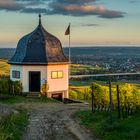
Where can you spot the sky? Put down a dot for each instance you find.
(93, 22)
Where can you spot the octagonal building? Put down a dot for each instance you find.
(39, 59)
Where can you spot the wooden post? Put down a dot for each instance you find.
(118, 99)
(110, 96)
(92, 98)
(9, 86)
(13, 89)
(45, 88)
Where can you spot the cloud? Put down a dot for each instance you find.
(84, 10)
(32, 2)
(89, 25)
(133, 1)
(61, 7)
(76, 2)
(10, 5)
(34, 10)
(112, 14)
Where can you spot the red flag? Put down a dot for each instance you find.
(67, 32)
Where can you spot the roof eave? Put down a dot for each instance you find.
(37, 63)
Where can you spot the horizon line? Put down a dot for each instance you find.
(98, 45)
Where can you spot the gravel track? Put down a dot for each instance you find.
(55, 122)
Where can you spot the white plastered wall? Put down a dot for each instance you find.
(58, 85)
(27, 69)
(55, 85)
(16, 68)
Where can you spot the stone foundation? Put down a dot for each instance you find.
(63, 93)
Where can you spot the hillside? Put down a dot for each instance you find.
(7, 53)
(4, 67)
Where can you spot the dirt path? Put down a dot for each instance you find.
(55, 122)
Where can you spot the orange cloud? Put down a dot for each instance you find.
(87, 8)
(9, 5)
(61, 7)
(93, 10)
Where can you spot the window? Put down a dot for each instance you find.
(54, 75)
(60, 74)
(15, 74)
(57, 74)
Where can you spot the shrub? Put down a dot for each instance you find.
(16, 87)
(4, 86)
(10, 87)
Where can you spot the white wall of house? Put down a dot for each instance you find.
(56, 85)
(16, 68)
(27, 69)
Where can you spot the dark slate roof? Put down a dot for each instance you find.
(39, 47)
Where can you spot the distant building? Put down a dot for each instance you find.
(39, 59)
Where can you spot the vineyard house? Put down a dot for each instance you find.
(39, 63)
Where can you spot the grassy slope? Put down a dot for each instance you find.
(127, 129)
(86, 84)
(12, 126)
(79, 67)
(4, 67)
(20, 99)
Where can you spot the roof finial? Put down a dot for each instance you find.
(39, 19)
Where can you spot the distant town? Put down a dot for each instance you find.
(108, 59)
(103, 59)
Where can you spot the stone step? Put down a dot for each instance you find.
(33, 95)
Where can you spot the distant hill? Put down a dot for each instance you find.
(4, 67)
(104, 51)
(7, 53)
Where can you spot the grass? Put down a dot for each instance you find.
(12, 126)
(80, 83)
(86, 82)
(20, 99)
(125, 129)
(76, 68)
(79, 87)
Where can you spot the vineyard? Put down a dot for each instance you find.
(129, 96)
(112, 118)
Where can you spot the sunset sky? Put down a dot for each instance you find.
(93, 22)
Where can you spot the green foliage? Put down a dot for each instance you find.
(82, 93)
(98, 93)
(10, 87)
(4, 86)
(85, 69)
(73, 94)
(125, 129)
(129, 95)
(20, 99)
(14, 99)
(12, 126)
(16, 87)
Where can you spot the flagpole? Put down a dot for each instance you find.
(67, 32)
(69, 46)
(69, 55)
